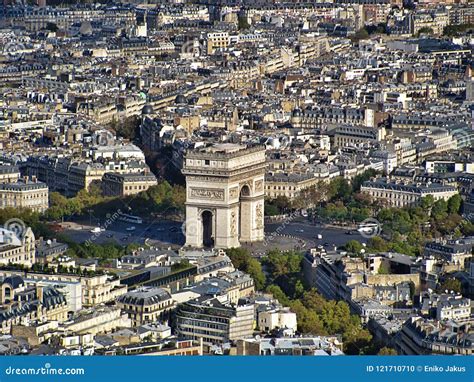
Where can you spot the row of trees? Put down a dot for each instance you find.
(457, 30)
(281, 274)
(105, 252)
(337, 191)
(162, 198)
(29, 218)
(405, 230)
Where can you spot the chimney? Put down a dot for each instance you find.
(34, 179)
(39, 292)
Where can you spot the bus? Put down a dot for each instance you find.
(368, 228)
(130, 219)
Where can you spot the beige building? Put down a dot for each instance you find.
(217, 41)
(225, 186)
(280, 318)
(399, 194)
(99, 320)
(288, 185)
(20, 304)
(24, 193)
(213, 321)
(114, 184)
(100, 289)
(351, 135)
(146, 305)
(96, 289)
(17, 247)
(9, 174)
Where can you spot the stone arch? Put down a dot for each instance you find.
(245, 213)
(245, 190)
(207, 224)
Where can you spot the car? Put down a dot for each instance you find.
(348, 232)
(160, 229)
(300, 230)
(174, 229)
(95, 230)
(125, 238)
(132, 228)
(319, 236)
(110, 235)
(326, 244)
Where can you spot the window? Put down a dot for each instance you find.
(207, 162)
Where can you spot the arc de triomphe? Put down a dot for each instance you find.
(225, 186)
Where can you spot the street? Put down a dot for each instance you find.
(298, 235)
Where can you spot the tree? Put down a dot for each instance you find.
(339, 188)
(361, 178)
(425, 30)
(387, 351)
(283, 263)
(277, 293)
(440, 209)
(353, 246)
(450, 284)
(361, 34)
(52, 27)
(242, 260)
(454, 204)
(128, 128)
(378, 244)
(383, 270)
(271, 210)
(282, 203)
(427, 202)
(243, 23)
(254, 269)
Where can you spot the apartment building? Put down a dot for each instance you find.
(213, 321)
(96, 289)
(21, 303)
(420, 336)
(18, 248)
(114, 184)
(9, 174)
(146, 305)
(25, 193)
(453, 308)
(217, 41)
(398, 194)
(350, 135)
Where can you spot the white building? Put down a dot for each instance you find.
(280, 318)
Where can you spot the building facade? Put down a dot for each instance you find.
(225, 186)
